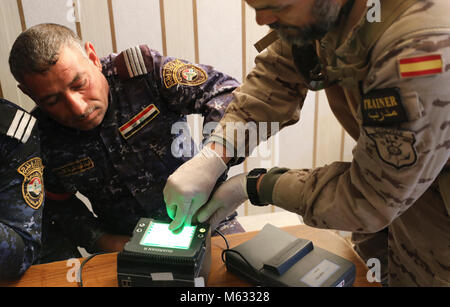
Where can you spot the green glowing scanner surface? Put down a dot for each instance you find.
(159, 235)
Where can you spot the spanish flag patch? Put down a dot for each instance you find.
(421, 66)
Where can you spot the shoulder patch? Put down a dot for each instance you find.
(177, 72)
(394, 147)
(383, 107)
(420, 66)
(32, 186)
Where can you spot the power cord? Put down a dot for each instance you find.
(228, 250)
(80, 271)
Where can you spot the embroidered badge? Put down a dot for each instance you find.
(395, 147)
(74, 168)
(421, 66)
(177, 72)
(383, 107)
(139, 121)
(32, 187)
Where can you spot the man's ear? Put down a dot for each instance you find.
(27, 92)
(92, 55)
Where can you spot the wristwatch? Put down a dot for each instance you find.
(252, 180)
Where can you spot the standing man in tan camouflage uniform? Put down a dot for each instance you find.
(388, 84)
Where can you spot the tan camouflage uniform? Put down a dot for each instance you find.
(393, 178)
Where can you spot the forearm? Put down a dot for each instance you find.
(75, 220)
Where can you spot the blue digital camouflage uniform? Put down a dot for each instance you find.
(21, 191)
(122, 165)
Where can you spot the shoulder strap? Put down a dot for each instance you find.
(16, 123)
(133, 62)
(370, 33)
(354, 65)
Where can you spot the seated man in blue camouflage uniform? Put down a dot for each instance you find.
(21, 191)
(107, 130)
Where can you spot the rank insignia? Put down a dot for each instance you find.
(74, 168)
(32, 186)
(383, 107)
(421, 66)
(139, 121)
(395, 147)
(177, 72)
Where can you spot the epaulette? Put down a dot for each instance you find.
(133, 62)
(16, 123)
(266, 41)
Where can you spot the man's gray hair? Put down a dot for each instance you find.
(37, 49)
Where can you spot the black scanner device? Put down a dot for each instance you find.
(276, 258)
(157, 257)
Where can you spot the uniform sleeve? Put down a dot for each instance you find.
(392, 165)
(21, 199)
(272, 92)
(193, 88)
(75, 220)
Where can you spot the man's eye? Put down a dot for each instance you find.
(51, 103)
(79, 86)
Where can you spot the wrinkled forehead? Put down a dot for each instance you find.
(70, 66)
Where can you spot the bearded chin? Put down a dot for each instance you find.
(326, 15)
(302, 36)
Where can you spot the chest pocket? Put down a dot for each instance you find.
(146, 122)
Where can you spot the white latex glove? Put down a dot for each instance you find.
(228, 196)
(189, 187)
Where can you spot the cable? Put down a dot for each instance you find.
(228, 250)
(80, 283)
(225, 239)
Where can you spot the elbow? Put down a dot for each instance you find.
(16, 256)
(13, 266)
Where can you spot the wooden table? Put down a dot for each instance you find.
(101, 271)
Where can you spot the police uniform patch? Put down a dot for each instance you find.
(383, 107)
(177, 72)
(32, 186)
(74, 168)
(395, 147)
(139, 121)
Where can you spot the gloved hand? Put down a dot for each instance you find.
(189, 187)
(228, 196)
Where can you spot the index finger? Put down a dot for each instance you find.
(180, 216)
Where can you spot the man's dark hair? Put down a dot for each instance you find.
(37, 49)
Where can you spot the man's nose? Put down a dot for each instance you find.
(265, 17)
(76, 103)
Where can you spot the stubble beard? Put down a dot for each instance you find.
(325, 14)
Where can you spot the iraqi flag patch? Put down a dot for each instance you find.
(139, 121)
(421, 66)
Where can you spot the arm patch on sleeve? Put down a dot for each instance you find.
(177, 72)
(394, 147)
(383, 107)
(32, 186)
